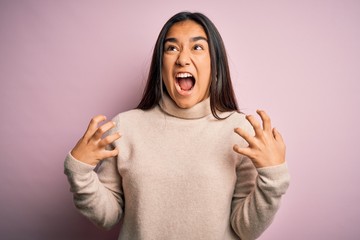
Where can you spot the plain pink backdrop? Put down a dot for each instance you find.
(61, 62)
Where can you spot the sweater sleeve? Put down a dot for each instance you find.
(257, 197)
(97, 194)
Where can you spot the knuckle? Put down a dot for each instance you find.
(93, 122)
(97, 156)
(116, 137)
(256, 124)
(106, 141)
(255, 155)
(101, 130)
(266, 117)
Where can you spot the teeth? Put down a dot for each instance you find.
(183, 75)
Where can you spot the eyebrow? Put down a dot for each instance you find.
(193, 39)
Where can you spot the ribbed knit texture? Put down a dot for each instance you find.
(177, 177)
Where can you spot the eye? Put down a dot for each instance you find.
(171, 48)
(198, 47)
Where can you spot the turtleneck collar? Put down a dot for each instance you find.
(199, 110)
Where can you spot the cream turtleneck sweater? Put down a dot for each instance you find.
(177, 177)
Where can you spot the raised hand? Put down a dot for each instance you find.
(267, 147)
(91, 148)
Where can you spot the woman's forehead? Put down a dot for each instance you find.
(186, 28)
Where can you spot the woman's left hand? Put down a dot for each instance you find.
(267, 147)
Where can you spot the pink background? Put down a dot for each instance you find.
(61, 62)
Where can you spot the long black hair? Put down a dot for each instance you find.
(222, 96)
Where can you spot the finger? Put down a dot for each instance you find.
(103, 129)
(109, 139)
(110, 153)
(277, 135)
(245, 135)
(243, 151)
(93, 125)
(265, 119)
(255, 124)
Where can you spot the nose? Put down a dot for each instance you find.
(183, 59)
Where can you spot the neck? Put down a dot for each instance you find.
(199, 110)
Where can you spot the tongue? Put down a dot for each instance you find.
(186, 83)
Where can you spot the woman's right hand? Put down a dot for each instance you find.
(91, 148)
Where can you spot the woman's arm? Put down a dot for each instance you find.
(262, 178)
(257, 197)
(97, 195)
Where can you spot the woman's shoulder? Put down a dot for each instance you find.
(234, 117)
(134, 115)
(238, 119)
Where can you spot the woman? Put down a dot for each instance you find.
(188, 165)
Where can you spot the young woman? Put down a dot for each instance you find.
(188, 165)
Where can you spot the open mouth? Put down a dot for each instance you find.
(185, 81)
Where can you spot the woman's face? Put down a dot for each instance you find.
(186, 64)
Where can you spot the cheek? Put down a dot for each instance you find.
(166, 76)
(204, 62)
(205, 72)
(166, 67)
